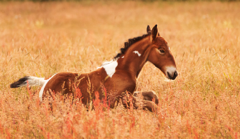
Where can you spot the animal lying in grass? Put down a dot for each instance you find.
(113, 78)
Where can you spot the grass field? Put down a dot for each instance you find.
(41, 39)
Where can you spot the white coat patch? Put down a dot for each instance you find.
(42, 89)
(110, 67)
(136, 52)
(122, 56)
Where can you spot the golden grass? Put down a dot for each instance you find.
(41, 39)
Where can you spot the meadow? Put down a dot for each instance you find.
(41, 39)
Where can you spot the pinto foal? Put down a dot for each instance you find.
(117, 76)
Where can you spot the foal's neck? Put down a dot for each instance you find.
(135, 57)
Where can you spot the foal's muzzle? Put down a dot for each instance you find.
(171, 73)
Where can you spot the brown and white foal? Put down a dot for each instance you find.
(117, 76)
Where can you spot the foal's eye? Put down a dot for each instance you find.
(162, 51)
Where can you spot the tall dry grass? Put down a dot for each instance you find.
(41, 39)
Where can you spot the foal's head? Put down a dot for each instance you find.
(160, 54)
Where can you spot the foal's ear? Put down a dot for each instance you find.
(148, 29)
(155, 32)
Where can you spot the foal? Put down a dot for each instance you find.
(117, 76)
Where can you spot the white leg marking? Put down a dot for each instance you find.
(154, 92)
(136, 52)
(170, 70)
(42, 89)
(110, 67)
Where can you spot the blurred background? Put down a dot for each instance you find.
(44, 37)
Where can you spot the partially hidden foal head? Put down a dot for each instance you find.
(160, 54)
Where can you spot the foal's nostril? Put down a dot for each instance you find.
(169, 75)
(172, 76)
(175, 74)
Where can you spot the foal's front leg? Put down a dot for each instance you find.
(147, 95)
(138, 103)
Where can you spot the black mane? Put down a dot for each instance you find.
(129, 43)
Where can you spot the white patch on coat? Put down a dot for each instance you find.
(136, 52)
(110, 67)
(122, 56)
(42, 89)
(170, 70)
